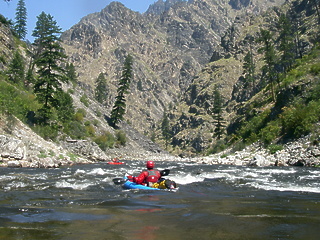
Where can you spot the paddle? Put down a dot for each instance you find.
(165, 172)
(119, 181)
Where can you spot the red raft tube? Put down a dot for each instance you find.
(115, 161)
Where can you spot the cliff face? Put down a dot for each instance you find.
(6, 45)
(170, 44)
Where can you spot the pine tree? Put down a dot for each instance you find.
(40, 33)
(16, 69)
(217, 111)
(249, 69)
(65, 109)
(71, 73)
(297, 28)
(100, 92)
(286, 46)
(119, 106)
(269, 57)
(21, 20)
(50, 72)
(316, 4)
(165, 129)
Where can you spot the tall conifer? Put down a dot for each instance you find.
(100, 92)
(249, 69)
(21, 20)
(270, 58)
(286, 46)
(48, 62)
(165, 128)
(119, 106)
(217, 111)
(16, 69)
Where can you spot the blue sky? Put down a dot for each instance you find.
(66, 12)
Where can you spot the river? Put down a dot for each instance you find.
(213, 202)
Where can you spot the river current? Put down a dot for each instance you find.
(213, 202)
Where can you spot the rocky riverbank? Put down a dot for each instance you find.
(23, 148)
(302, 152)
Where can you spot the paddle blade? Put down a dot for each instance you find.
(118, 181)
(165, 172)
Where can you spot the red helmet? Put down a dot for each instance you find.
(150, 164)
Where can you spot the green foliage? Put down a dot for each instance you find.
(100, 93)
(3, 20)
(90, 130)
(217, 147)
(15, 101)
(80, 114)
(269, 133)
(250, 129)
(84, 99)
(273, 148)
(2, 59)
(47, 131)
(71, 73)
(293, 75)
(73, 157)
(76, 130)
(315, 69)
(299, 119)
(42, 154)
(95, 122)
(217, 111)
(270, 58)
(165, 129)
(65, 110)
(121, 138)
(286, 43)
(98, 114)
(21, 19)
(48, 61)
(104, 141)
(119, 106)
(249, 69)
(16, 69)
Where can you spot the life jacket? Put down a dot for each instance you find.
(165, 184)
(152, 176)
(160, 185)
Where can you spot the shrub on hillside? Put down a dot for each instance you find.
(104, 141)
(121, 138)
(269, 133)
(75, 130)
(299, 119)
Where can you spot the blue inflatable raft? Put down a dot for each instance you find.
(133, 185)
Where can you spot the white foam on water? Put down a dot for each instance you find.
(42, 176)
(97, 171)
(75, 186)
(273, 171)
(309, 177)
(16, 185)
(187, 179)
(287, 188)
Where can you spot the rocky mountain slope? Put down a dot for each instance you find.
(192, 125)
(170, 44)
(181, 51)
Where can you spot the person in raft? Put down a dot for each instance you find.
(115, 160)
(148, 177)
